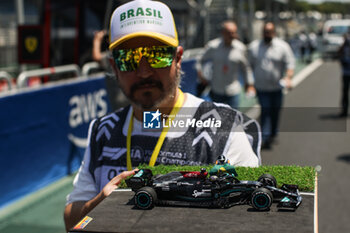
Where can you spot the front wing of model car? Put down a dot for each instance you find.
(288, 196)
(289, 202)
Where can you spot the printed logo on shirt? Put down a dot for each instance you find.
(151, 120)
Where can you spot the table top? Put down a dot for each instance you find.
(118, 214)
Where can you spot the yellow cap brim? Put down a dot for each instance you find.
(162, 38)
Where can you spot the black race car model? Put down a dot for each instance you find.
(219, 190)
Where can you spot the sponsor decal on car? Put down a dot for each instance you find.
(83, 223)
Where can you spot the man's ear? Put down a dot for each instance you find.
(179, 53)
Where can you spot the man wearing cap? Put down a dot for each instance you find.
(147, 63)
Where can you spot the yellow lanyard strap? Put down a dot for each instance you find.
(161, 138)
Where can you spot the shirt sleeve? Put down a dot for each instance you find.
(251, 56)
(289, 58)
(84, 188)
(204, 58)
(246, 69)
(238, 149)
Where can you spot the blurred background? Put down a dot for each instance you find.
(51, 86)
(68, 26)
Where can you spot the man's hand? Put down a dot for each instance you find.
(201, 78)
(250, 90)
(75, 211)
(288, 83)
(113, 184)
(288, 79)
(98, 36)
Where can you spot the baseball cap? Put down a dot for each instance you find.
(142, 18)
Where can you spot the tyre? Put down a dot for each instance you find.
(268, 179)
(261, 199)
(145, 198)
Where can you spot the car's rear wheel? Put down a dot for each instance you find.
(267, 179)
(262, 199)
(145, 198)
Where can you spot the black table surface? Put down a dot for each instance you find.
(117, 214)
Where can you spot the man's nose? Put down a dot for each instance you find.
(144, 70)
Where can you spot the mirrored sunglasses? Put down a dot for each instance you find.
(157, 57)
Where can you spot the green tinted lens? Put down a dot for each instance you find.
(157, 57)
(161, 57)
(125, 59)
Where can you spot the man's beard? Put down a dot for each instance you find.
(165, 94)
(268, 40)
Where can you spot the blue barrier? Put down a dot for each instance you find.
(189, 80)
(34, 130)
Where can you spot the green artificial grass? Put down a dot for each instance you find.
(304, 177)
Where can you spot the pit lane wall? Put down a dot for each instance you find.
(43, 131)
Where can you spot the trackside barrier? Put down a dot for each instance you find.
(189, 79)
(25, 75)
(7, 77)
(43, 133)
(88, 67)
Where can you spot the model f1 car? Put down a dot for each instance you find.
(220, 190)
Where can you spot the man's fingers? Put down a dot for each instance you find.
(122, 176)
(125, 174)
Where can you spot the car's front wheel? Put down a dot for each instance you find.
(262, 199)
(145, 198)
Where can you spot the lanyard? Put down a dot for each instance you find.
(161, 138)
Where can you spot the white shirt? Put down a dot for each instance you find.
(227, 64)
(269, 63)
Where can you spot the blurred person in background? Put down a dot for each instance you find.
(304, 45)
(344, 55)
(312, 44)
(99, 50)
(273, 62)
(229, 60)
